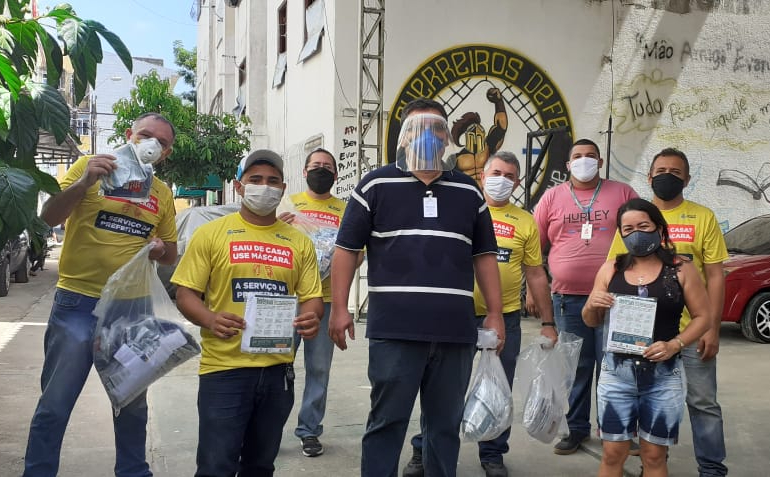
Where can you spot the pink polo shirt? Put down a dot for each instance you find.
(572, 260)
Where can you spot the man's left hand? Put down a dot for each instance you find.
(494, 321)
(708, 345)
(307, 324)
(550, 333)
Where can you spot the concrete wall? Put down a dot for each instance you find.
(689, 74)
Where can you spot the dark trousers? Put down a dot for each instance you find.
(241, 415)
(492, 451)
(567, 312)
(397, 371)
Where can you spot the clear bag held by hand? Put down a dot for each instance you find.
(545, 374)
(488, 407)
(140, 335)
(322, 234)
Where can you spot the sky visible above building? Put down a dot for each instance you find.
(147, 27)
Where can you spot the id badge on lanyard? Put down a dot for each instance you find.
(429, 205)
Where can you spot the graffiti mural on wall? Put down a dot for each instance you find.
(757, 187)
(740, 7)
(494, 96)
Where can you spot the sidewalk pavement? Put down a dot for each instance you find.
(172, 430)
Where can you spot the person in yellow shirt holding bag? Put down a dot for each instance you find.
(104, 232)
(317, 203)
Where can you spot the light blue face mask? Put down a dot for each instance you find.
(426, 148)
(641, 244)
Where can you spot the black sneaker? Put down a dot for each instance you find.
(570, 444)
(311, 446)
(414, 467)
(494, 469)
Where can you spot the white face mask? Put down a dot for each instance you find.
(584, 168)
(148, 150)
(261, 199)
(498, 188)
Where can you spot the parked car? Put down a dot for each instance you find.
(14, 261)
(747, 278)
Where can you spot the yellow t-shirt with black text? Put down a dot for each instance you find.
(103, 233)
(328, 212)
(518, 243)
(229, 257)
(695, 232)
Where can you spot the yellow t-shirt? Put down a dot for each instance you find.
(695, 232)
(228, 257)
(328, 212)
(103, 233)
(518, 243)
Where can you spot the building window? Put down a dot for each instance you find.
(314, 28)
(240, 101)
(280, 65)
(282, 27)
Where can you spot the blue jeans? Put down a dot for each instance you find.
(397, 371)
(68, 348)
(492, 451)
(241, 414)
(318, 363)
(567, 311)
(635, 395)
(705, 413)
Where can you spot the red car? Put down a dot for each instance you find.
(747, 278)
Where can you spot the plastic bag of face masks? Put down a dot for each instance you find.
(322, 233)
(488, 407)
(544, 376)
(140, 336)
(132, 179)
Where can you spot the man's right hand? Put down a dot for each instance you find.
(98, 166)
(287, 217)
(341, 321)
(225, 325)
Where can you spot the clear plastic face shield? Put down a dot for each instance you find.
(475, 138)
(423, 143)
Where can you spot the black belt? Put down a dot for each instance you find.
(639, 359)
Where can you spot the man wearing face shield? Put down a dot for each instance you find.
(106, 232)
(244, 399)
(317, 203)
(695, 232)
(478, 145)
(426, 229)
(518, 249)
(576, 221)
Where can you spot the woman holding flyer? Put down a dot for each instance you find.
(641, 389)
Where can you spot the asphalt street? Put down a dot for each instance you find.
(744, 368)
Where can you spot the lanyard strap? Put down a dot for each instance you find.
(586, 209)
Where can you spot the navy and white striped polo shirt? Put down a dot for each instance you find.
(420, 269)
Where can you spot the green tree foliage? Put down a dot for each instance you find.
(205, 144)
(187, 61)
(27, 106)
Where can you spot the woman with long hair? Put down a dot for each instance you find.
(643, 394)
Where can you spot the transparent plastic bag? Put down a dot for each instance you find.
(132, 179)
(545, 375)
(489, 405)
(140, 335)
(322, 235)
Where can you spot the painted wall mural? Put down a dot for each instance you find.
(494, 96)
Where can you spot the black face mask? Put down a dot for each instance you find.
(320, 180)
(667, 186)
